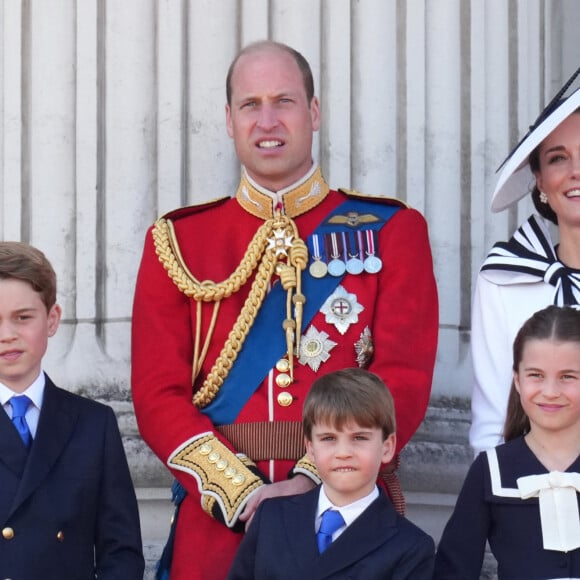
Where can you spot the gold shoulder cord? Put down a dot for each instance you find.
(275, 246)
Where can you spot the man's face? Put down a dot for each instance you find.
(270, 118)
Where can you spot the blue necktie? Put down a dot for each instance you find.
(331, 521)
(19, 406)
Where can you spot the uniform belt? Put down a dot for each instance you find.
(266, 440)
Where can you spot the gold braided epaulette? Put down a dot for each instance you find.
(378, 198)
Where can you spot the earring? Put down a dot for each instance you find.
(543, 197)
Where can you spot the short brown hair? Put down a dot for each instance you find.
(349, 395)
(20, 261)
(557, 323)
(264, 45)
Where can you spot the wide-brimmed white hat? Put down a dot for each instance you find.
(516, 178)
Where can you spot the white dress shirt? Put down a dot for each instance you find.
(35, 392)
(348, 512)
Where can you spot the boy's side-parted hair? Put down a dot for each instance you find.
(349, 395)
(558, 323)
(20, 261)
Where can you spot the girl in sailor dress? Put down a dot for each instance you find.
(523, 496)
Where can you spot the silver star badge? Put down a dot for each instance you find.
(341, 309)
(315, 348)
(280, 242)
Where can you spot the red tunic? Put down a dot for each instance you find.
(400, 308)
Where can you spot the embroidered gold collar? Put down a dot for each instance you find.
(297, 200)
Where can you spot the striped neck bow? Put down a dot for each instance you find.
(528, 257)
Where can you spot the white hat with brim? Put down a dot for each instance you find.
(516, 179)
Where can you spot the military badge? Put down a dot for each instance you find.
(364, 348)
(355, 244)
(315, 348)
(280, 242)
(318, 267)
(372, 264)
(341, 309)
(354, 266)
(354, 219)
(336, 266)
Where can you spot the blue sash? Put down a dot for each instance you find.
(265, 344)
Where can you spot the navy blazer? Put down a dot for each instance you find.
(67, 507)
(379, 544)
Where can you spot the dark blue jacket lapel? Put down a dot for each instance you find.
(56, 423)
(12, 451)
(373, 528)
(298, 521)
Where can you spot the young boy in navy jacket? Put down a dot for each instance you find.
(346, 527)
(67, 503)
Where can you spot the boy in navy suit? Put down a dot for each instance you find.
(346, 527)
(67, 503)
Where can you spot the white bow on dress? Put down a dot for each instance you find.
(558, 507)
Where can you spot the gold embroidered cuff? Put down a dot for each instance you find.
(225, 480)
(305, 467)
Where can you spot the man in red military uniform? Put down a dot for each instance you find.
(241, 303)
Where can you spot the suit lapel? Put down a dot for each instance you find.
(55, 425)
(298, 521)
(13, 453)
(373, 528)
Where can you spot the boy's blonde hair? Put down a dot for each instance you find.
(349, 395)
(20, 261)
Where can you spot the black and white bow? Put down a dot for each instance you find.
(531, 256)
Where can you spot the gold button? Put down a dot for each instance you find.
(213, 457)
(285, 399)
(7, 533)
(283, 365)
(238, 479)
(205, 449)
(221, 464)
(60, 536)
(283, 380)
(230, 472)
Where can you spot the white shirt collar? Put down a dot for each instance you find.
(349, 512)
(35, 392)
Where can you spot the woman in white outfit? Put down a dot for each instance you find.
(530, 271)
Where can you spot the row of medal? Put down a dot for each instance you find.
(337, 253)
